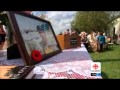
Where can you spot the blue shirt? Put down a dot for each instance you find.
(101, 39)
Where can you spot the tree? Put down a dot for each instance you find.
(3, 17)
(93, 21)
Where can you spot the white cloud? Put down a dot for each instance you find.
(60, 20)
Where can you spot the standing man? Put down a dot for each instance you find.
(101, 40)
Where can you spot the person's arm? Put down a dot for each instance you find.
(104, 40)
(86, 40)
(98, 38)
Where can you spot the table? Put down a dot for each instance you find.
(110, 44)
(70, 64)
(13, 62)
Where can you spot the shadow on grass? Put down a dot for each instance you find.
(104, 76)
(109, 49)
(107, 60)
(106, 50)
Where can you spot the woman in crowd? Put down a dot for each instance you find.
(93, 41)
(84, 39)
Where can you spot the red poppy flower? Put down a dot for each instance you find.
(36, 55)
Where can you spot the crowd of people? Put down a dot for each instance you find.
(68, 32)
(95, 41)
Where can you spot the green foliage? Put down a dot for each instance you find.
(92, 21)
(3, 18)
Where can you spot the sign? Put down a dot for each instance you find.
(14, 72)
(22, 72)
(33, 34)
(73, 41)
(68, 41)
(96, 69)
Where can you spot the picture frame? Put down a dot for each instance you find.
(35, 37)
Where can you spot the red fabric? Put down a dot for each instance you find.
(36, 55)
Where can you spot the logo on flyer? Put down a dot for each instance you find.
(96, 69)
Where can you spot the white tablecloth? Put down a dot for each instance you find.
(12, 62)
(71, 63)
(80, 54)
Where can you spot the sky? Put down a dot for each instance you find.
(60, 20)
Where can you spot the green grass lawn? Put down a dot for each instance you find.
(110, 62)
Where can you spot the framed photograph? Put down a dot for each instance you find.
(35, 37)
